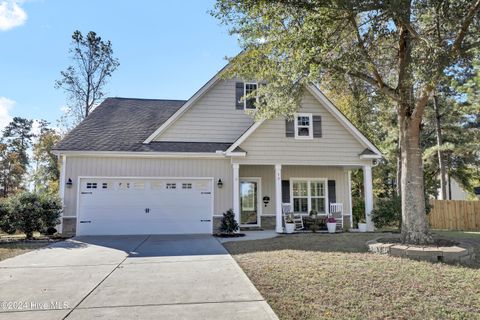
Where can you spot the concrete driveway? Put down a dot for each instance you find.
(129, 277)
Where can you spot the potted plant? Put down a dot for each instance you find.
(362, 225)
(313, 215)
(289, 224)
(331, 224)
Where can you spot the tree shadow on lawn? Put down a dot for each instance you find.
(329, 243)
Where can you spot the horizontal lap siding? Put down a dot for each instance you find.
(212, 119)
(268, 143)
(149, 167)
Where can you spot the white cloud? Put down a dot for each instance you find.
(11, 15)
(5, 106)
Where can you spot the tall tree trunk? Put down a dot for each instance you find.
(414, 218)
(441, 161)
(398, 188)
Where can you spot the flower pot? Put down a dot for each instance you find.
(331, 226)
(362, 227)
(289, 227)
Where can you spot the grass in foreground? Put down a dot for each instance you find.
(8, 250)
(321, 276)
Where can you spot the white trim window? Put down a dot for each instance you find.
(304, 126)
(309, 194)
(248, 88)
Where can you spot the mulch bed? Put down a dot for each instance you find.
(229, 235)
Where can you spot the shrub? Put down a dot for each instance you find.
(388, 213)
(6, 220)
(229, 225)
(29, 212)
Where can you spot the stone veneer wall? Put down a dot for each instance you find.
(69, 226)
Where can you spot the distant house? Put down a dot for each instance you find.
(455, 191)
(148, 166)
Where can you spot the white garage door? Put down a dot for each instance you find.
(144, 206)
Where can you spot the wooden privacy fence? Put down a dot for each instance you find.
(455, 215)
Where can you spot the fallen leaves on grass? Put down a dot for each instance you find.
(316, 276)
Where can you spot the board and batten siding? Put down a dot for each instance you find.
(267, 174)
(337, 146)
(149, 167)
(213, 118)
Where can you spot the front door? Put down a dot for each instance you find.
(249, 206)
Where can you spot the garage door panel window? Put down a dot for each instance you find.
(139, 185)
(156, 185)
(201, 186)
(91, 185)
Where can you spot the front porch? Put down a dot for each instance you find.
(261, 193)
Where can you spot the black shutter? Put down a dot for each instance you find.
(238, 95)
(285, 191)
(289, 128)
(332, 194)
(317, 127)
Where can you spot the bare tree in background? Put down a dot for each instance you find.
(84, 81)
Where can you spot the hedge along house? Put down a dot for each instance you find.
(141, 166)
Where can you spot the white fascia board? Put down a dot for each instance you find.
(236, 154)
(209, 155)
(244, 136)
(370, 156)
(313, 89)
(204, 89)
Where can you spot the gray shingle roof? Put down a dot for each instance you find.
(122, 124)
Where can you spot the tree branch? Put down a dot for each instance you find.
(363, 49)
(464, 27)
(387, 90)
(422, 103)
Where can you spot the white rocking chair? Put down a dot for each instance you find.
(336, 210)
(297, 218)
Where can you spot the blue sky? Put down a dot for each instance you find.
(167, 49)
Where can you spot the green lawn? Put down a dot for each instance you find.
(321, 276)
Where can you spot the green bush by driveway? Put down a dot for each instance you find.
(28, 212)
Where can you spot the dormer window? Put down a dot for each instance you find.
(249, 103)
(303, 126)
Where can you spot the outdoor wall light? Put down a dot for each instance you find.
(69, 183)
(266, 200)
(220, 183)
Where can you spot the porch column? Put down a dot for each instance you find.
(350, 209)
(236, 191)
(368, 190)
(278, 198)
(61, 188)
